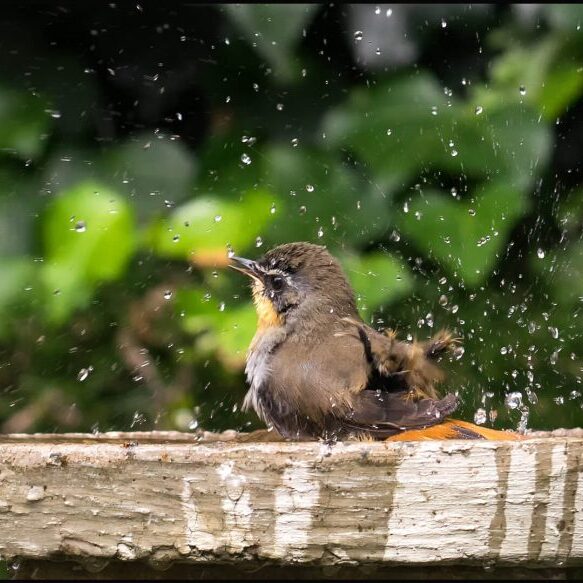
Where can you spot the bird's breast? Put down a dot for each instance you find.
(258, 367)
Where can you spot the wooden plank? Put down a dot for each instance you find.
(169, 498)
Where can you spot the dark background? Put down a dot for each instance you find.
(436, 150)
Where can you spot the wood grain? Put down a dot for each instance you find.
(165, 498)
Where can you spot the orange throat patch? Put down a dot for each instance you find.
(266, 313)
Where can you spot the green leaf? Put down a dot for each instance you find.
(548, 71)
(409, 125)
(321, 199)
(24, 122)
(225, 330)
(19, 207)
(154, 173)
(404, 108)
(17, 279)
(565, 17)
(274, 30)
(207, 225)
(88, 237)
(465, 238)
(377, 278)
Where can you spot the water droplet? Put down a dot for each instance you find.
(480, 416)
(176, 238)
(193, 425)
(358, 35)
(258, 242)
(168, 294)
(273, 208)
(169, 204)
(310, 187)
(522, 90)
(84, 373)
(303, 210)
(513, 400)
(246, 159)
(389, 12)
(389, 132)
(406, 207)
(222, 307)
(443, 23)
(295, 142)
(479, 109)
(80, 227)
(554, 332)
(472, 212)
(395, 236)
(279, 107)
(377, 10)
(559, 400)
(443, 300)
(458, 351)
(320, 233)
(540, 253)
(504, 350)
(434, 110)
(454, 153)
(218, 218)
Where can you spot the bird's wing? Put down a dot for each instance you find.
(406, 366)
(382, 414)
(333, 380)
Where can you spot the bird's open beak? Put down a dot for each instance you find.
(247, 266)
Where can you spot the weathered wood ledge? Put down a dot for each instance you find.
(162, 504)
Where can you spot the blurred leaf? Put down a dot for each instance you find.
(391, 127)
(274, 30)
(562, 271)
(409, 125)
(550, 77)
(24, 122)
(225, 330)
(377, 278)
(208, 224)
(464, 237)
(566, 17)
(19, 205)
(88, 238)
(16, 276)
(155, 173)
(321, 199)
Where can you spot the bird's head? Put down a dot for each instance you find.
(295, 279)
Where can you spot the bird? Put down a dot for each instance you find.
(316, 370)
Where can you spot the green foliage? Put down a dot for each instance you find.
(274, 31)
(207, 225)
(24, 123)
(447, 186)
(377, 279)
(465, 237)
(88, 238)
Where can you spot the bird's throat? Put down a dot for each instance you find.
(267, 316)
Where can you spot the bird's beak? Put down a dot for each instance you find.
(247, 266)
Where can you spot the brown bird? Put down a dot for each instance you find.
(316, 370)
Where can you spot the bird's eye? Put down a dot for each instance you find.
(277, 283)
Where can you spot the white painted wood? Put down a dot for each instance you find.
(436, 503)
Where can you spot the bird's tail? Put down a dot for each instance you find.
(454, 429)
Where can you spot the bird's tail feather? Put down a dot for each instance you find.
(454, 429)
